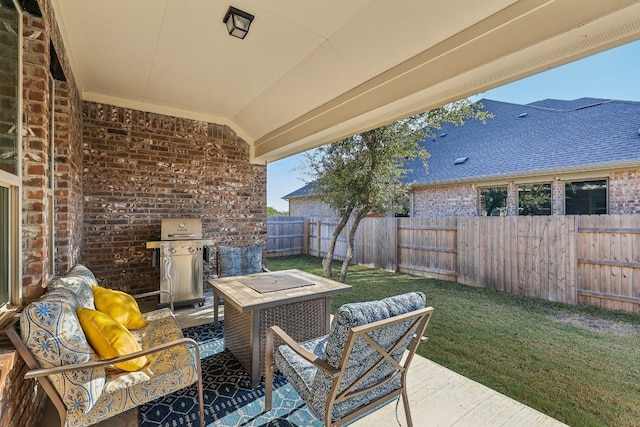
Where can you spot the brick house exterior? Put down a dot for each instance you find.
(116, 173)
(310, 207)
(549, 142)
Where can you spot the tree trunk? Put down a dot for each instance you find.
(328, 259)
(350, 239)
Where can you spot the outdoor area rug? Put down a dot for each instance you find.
(228, 400)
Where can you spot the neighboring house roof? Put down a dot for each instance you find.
(300, 192)
(544, 137)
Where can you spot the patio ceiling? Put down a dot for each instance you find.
(312, 72)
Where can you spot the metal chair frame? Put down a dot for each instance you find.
(419, 318)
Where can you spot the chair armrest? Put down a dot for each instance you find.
(309, 357)
(152, 293)
(35, 373)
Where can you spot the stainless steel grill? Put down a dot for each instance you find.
(181, 259)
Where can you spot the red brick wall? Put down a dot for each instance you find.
(140, 167)
(462, 200)
(455, 200)
(67, 150)
(151, 166)
(35, 146)
(21, 402)
(624, 192)
(68, 177)
(310, 207)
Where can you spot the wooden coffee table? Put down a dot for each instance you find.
(296, 301)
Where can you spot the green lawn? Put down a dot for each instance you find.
(582, 377)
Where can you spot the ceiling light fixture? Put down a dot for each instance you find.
(238, 22)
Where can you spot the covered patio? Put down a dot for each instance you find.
(123, 113)
(436, 394)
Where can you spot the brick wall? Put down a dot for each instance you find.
(140, 167)
(67, 152)
(68, 177)
(35, 149)
(455, 200)
(21, 402)
(557, 197)
(310, 207)
(512, 199)
(135, 168)
(462, 200)
(624, 192)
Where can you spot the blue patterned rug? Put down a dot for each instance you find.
(228, 400)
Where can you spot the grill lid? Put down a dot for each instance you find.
(181, 229)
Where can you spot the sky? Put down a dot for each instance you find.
(612, 74)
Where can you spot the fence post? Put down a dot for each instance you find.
(305, 239)
(396, 261)
(319, 236)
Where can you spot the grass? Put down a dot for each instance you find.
(512, 345)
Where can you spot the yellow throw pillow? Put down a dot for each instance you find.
(119, 305)
(109, 338)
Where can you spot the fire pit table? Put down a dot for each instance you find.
(296, 301)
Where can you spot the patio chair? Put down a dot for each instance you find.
(236, 261)
(359, 366)
(239, 260)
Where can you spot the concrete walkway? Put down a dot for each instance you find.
(440, 397)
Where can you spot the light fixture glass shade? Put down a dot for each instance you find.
(238, 22)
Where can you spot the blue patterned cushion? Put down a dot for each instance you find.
(251, 259)
(314, 386)
(82, 271)
(297, 370)
(80, 287)
(62, 293)
(235, 261)
(50, 329)
(80, 280)
(229, 261)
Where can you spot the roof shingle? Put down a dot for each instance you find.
(546, 136)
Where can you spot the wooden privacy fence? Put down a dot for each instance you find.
(572, 259)
(286, 236)
(528, 255)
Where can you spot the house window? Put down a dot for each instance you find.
(9, 244)
(10, 71)
(534, 199)
(585, 197)
(493, 201)
(10, 141)
(4, 243)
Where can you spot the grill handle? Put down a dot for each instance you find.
(154, 257)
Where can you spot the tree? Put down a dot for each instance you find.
(274, 212)
(364, 173)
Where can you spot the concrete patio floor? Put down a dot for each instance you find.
(438, 396)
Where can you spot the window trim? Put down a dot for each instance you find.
(564, 191)
(487, 187)
(15, 243)
(550, 184)
(50, 191)
(14, 183)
